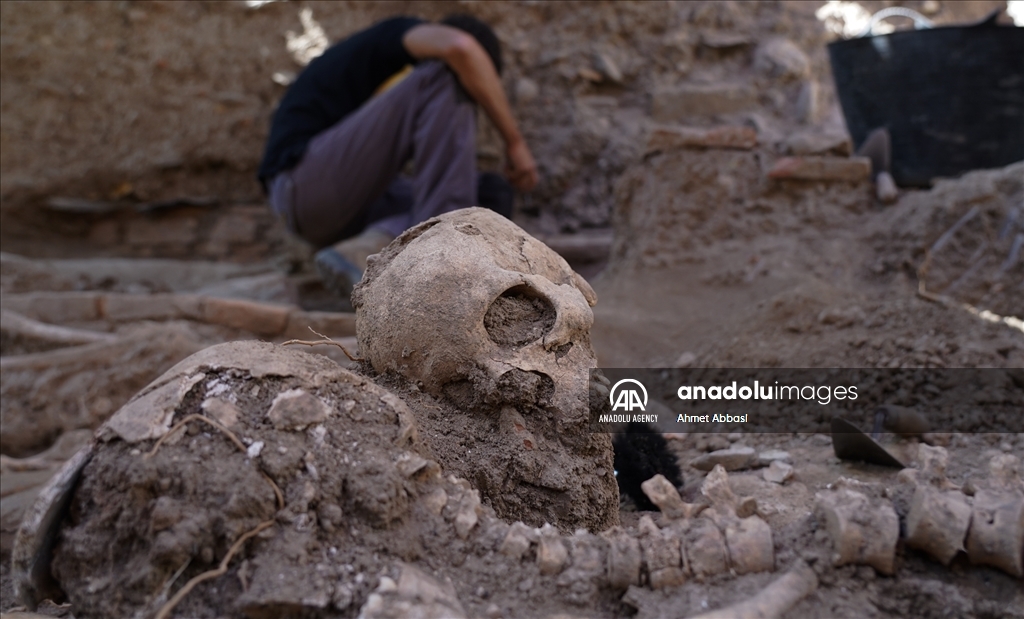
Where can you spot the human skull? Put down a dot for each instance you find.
(467, 297)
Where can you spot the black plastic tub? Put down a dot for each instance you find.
(952, 98)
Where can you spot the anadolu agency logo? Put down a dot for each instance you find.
(627, 398)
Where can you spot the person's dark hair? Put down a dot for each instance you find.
(479, 31)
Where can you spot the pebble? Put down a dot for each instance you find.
(732, 459)
(778, 472)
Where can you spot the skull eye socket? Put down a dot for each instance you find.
(520, 315)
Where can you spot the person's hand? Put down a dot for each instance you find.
(520, 168)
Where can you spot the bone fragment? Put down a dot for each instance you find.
(774, 600)
(996, 537)
(624, 558)
(16, 324)
(937, 522)
(862, 532)
(662, 554)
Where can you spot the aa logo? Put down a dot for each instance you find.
(627, 397)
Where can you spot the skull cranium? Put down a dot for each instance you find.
(470, 296)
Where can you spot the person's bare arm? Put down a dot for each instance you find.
(476, 73)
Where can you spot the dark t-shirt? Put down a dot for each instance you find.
(333, 86)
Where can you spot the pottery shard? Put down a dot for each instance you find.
(997, 531)
(862, 532)
(296, 409)
(732, 459)
(937, 522)
(624, 558)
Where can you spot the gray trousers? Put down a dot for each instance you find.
(348, 179)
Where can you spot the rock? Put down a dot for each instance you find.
(724, 39)
(591, 75)
(468, 513)
(812, 168)
(436, 500)
(765, 458)
(778, 472)
(665, 138)
(517, 541)
(296, 410)
(685, 360)
(607, 67)
(416, 594)
(222, 411)
(675, 103)
(526, 91)
(780, 58)
(863, 532)
(551, 554)
(811, 142)
(731, 459)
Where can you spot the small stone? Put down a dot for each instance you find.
(296, 409)
(551, 554)
(724, 39)
(517, 541)
(732, 459)
(468, 515)
(526, 90)
(591, 75)
(778, 472)
(765, 458)
(254, 450)
(607, 67)
(685, 360)
(782, 59)
(493, 612)
(222, 411)
(818, 143)
(435, 501)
